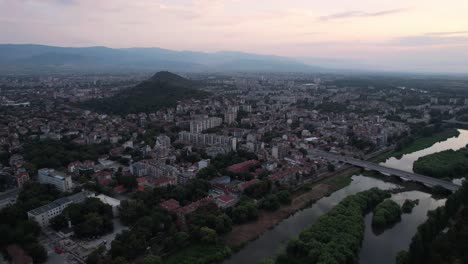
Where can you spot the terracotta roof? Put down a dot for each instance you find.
(170, 205)
(247, 184)
(243, 166)
(225, 198)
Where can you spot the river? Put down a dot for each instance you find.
(381, 248)
(406, 161)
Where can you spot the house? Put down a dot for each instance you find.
(170, 205)
(244, 185)
(225, 201)
(242, 167)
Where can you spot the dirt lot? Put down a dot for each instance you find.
(266, 220)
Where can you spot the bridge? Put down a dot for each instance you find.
(456, 122)
(429, 181)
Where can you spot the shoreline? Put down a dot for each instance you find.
(240, 235)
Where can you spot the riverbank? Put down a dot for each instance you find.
(241, 234)
(420, 144)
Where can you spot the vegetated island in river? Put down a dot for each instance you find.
(446, 164)
(386, 214)
(337, 236)
(408, 206)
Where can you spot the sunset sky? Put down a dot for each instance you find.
(396, 32)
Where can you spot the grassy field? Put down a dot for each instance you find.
(341, 180)
(418, 144)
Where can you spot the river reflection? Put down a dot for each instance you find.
(406, 161)
(272, 241)
(381, 248)
(384, 247)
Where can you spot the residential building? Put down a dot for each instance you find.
(50, 176)
(208, 139)
(44, 214)
(199, 125)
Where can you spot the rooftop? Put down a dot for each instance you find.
(75, 198)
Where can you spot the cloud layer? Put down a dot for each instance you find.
(368, 30)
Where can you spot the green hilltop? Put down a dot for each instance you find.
(162, 90)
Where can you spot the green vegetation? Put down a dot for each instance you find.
(56, 154)
(339, 181)
(258, 190)
(200, 254)
(244, 211)
(445, 164)
(336, 237)
(430, 245)
(89, 219)
(451, 246)
(386, 213)
(163, 90)
(413, 144)
(157, 232)
(15, 228)
(408, 206)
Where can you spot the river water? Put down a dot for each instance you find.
(376, 248)
(406, 161)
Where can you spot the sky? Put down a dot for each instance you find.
(397, 34)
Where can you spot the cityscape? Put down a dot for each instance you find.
(113, 155)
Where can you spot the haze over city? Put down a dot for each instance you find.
(397, 35)
(233, 132)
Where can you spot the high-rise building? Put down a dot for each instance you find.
(198, 125)
(230, 117)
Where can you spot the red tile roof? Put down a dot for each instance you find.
(247, 184)
(225, 198)
(243, 166)
(170, 205)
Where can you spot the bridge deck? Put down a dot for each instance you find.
(390, 171)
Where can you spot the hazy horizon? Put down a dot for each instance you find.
(420, 35)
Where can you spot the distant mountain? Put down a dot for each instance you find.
(107, 59)
(164, 89)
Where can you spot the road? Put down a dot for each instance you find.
(429, 181)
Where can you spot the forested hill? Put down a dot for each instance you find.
(162, 90)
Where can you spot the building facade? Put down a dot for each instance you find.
(50, 176)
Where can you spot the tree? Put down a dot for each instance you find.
(284, 197)
(150, 259)
(59, 222)
(37, 252)
(208, 235)
(270, 203)
(331, 167)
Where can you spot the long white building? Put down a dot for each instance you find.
(198, 125)
(44, 214)
(208, 139)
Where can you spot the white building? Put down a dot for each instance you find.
(230, 117)
(44, 214)
(198, 125)
(50, 176)
(114, 203)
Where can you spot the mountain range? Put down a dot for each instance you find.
(50, 58)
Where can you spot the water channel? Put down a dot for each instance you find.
(381, 248)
